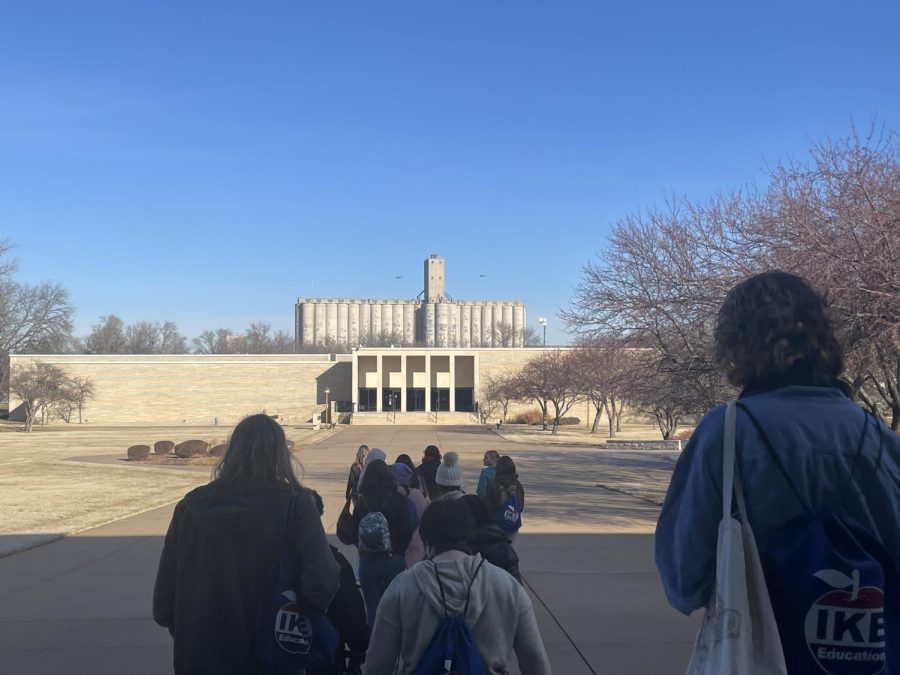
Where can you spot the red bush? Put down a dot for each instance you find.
(163, 447)
(138, 453)
(191, 448)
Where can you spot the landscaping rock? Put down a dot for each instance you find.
(163, 447)
(138, 453)
(191, 448)
(217, 450)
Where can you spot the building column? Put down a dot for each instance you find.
(452, 395)
(354, 382)
(428, 383)
(403, 382)
(379, 394)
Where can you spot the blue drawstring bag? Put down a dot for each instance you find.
(291, 634)
(508, 517)
(452, 649)
(834, 589)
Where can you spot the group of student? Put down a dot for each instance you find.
(427, 551)
(816, 476)
(389, 501)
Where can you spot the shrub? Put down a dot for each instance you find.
(138, 453)
(191, 448)
(217, 450)
(163, 447)
(529, 417)
(684, 435)
(569, 421)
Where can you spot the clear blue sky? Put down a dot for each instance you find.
(208, 162)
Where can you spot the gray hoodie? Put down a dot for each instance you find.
(500, 616)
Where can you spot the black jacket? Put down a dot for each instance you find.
(393, 505)
(494, 546)
(347, 613)
(221, 545)
(427, 473)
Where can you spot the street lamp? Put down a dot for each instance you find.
(543, 322)
(327, 408)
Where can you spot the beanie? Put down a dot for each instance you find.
(449, 474)
(402, 473)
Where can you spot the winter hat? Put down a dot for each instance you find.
(449, 474)
(402, 473)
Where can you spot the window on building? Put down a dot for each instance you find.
(465, 400)
(367, 399)
(415, 399)
(390, 399)
(440, 399)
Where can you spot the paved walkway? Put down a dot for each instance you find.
(82, 604)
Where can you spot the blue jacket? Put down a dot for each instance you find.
(816, 432)
(486, 476)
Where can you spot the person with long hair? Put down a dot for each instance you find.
(221, 544)
(355, 471)
(803, 446)
(503, 485)
(427, 472)
(382, 532)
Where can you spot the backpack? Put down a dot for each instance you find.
(374, 534)
(291, 634)
(833, 587)
(508, 517)
(452, 649)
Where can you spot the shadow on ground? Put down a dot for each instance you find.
(83, 604)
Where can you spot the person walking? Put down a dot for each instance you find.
(222, 542)
(382, 532)
(347, 613)
(488, 472)
(803, 447)
(505, 486)
(416, 504)
(449, 478)
(427, 472)
(414, 482)
(355, 471)
(371, 456)
(489, 540)
(495, 607)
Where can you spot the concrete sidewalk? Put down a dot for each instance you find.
(82, 604)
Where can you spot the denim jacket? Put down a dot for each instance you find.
(821, 438)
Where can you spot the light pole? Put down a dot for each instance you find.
(327, 408)
(543, 322)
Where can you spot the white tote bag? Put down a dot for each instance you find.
(739, 635)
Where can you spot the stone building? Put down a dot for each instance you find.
(367, 386)
(434, 319)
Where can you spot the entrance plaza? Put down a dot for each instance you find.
(82, 603)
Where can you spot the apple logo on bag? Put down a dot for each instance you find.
(845, 628)
(293, 631)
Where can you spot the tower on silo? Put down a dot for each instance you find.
(434, 279)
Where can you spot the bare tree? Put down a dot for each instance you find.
(496, 394)
(214, 342)
(531, 337)
(39, 387)
(602, 368)
(551, 380)
(142, 337)
(108, 336)
(82, 390)
(33, 319)
(171, 341)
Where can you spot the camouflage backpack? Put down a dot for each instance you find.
(374, 533)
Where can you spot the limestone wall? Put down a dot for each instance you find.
(197, 388)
